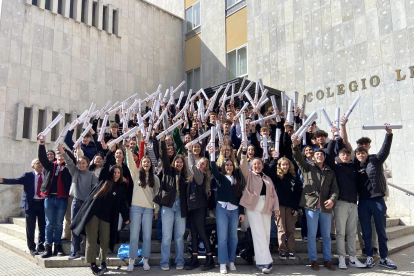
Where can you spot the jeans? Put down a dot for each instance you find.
(346, 216)
(159, 225)
(55, 209)
(304, 227)
(171, 219)
(227, 223)
(325, 220)
(273, 227)
(376, 208)
(140, 216)
(76, 240)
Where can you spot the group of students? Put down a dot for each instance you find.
(174, 180)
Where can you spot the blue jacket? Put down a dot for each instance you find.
(28, 181)
(89, 151)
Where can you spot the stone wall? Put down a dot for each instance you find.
(175, 7)
(10, 197)
(58, 64)
(312, 45)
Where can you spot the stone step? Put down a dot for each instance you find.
(391, 222)
(399, 231)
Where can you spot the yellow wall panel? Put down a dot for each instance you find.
(236, 29)
(189, 3)
(193, 52)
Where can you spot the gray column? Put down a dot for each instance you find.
(54, 6)
(88, 12)
(118, 23)
(47, 120)
(99, 15)
(77, 10)
(19, 121)
(41, 4)
(66, 8)
(29, 2)
(73, 117)
(61, 124)
(33, 123)
(109, 19)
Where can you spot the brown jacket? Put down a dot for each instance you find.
(317, 184)
(253, 188)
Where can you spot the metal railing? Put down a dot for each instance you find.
(409, 193)
(9, 188)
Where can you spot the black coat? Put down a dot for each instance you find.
(28, 182)
(374, 170)
(48, 171)
(168, 189)
(93, 206)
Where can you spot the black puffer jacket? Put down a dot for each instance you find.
(197, 189)
(346, 174)
(168, 189)
(373, 167)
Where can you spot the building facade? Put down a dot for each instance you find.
(330, 51)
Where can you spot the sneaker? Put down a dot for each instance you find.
(267, 269)
(223, 269)
(319, 239)
(189, 237)
(40, 248)
(369, 262)
(59, 249)
(387, 263)
(179, 267)
(74, 256)
(83, 257)
(292, 256)
(342, 264)
(353, 261)
(103, 267)
(211, 215)
(232, 267)
(165, 267)
(282, 256)
(305, 239)
(131, 265)
(33, 252)
(96, 270)
(145, 264)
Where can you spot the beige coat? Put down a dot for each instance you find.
(253, 188)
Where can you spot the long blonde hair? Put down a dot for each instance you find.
(291, 170)
(222, 157)
(207, 173)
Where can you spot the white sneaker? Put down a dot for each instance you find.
(211, 215)
(232, 267)
(223, 269)
(267, 269)
(353, 261)
(342, 264)
(189, 237)
(146, 265)
(165, 267)
(179, 266)
(131, 265)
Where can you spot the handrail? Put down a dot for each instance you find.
(409, 193)
(9, 188)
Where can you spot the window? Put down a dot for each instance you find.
(54, 132)
(59, 7)
(113, 21)
(192, 17)
(193, 79)
(47, 5)
(71, 9)
(94, 11)
(104, 18)
(40, 121)
(234, 5)
(26, 122)
(67, 118)
(34, 2)
(84, 8)
(237, 63)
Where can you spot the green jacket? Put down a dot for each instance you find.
(318, 184)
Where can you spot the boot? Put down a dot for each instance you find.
(209, 264)
(59, 249)
(55, 252)
(193, 263)
(48, 251)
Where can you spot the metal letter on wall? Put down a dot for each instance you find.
(399, 78)
(353, 86)
(319, 94)
(371, 81)
(309, 97)
(328, 92)
(341, 89)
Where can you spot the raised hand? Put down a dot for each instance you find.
(295, 142)
(387, 129)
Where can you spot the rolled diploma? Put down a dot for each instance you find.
(225, 92)
(241, 86)
(82, 135)
(203, 116)
(327, 119)
(256, 93)
(196, 94)
(244, 91)
(160, 118)
(241, 111)
(133, 96)
(296, 99)
(165, 97)
(157, 108)
(146, 115)
(169, 129)
(52, 124)
(189, 96)
(103, 127)
(350, 109)
(243, 129)
(113, 106)
(374, 127)
(123, 136)
(180, 99)
(277, 142)
(261, 85)
(186, 119)
(310, 118)
(181, 112)
(159, 87)
(337, 119)
(151, 120)
(61, 136)
(262, 103)
(263, 119)
(178, 87)
(283, 99)
(201, 137)
(290, 114)
(233, 87)
(218, 129)
(213, 143)
(266, 155)
(303, 104)
(102, 110)
(78, 120)
(204, 94)
(148, 133)
(211, 106)
(250, 99)
(272, 98)
(88, 117)
(235, 95)
(263, 97)
(139, 106)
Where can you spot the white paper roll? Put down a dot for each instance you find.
(170, 129)
(303, 104)
(87, 129)
(178, 87)
(351, 108)
(290, 112)
(123, 136)
(242, 84)
(102, 110)
(246, 105)
(374, 127)
(52, 124)
(199, 138)
(61, 136)
(264, 139)
(180, 99)
(213, 143)
(296, 100)
(277, 142)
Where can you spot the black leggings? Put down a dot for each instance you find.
(197, 220)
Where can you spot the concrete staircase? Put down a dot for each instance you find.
(13, 237)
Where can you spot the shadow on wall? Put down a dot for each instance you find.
(10, 196)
